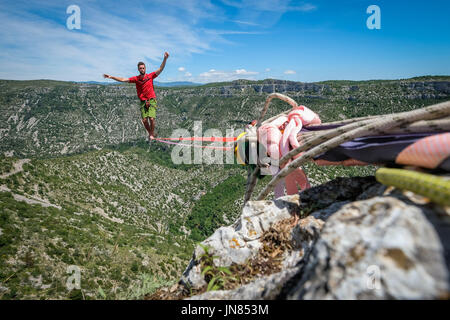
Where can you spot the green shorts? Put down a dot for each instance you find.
(151, 111)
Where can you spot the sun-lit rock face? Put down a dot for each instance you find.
(355, 239)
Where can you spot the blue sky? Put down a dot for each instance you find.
(210, 41)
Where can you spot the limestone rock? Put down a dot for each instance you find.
(357, 240)
(239, 242)
(379, 248)
(265, 288)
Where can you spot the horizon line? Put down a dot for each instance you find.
(249, 80)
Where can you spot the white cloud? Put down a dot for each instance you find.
(231, 32)
(290, 72)
(219, 76)
(267, 70)
(36, 43)
(304, 8)
(268, 5)
(111, 39)
(246, 23)
(244, 72)
(264, 12)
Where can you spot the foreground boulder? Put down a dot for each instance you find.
(377, 248)
(239, 242)
(356, 239)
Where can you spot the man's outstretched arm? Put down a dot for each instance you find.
(115, 78)
(163, 64)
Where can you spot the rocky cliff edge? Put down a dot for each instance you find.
(351, 238)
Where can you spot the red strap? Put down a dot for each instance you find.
(193, 145)
(206, 139)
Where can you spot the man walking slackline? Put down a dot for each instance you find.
(146, 93)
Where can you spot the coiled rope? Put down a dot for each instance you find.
(317, 143)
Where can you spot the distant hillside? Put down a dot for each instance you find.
(125, 215)
(51, 118)
(119, 214)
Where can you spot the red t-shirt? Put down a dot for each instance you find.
(144, 85)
